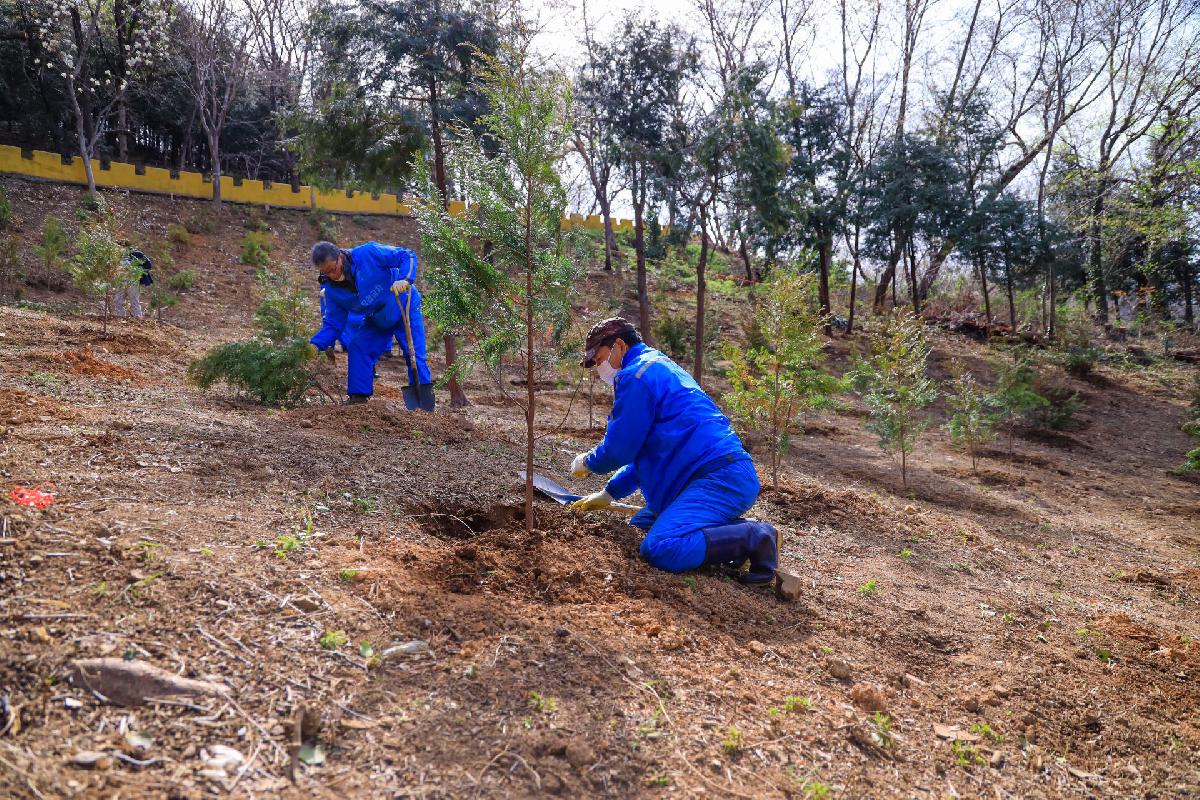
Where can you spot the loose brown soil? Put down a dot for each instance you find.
(1042, 610)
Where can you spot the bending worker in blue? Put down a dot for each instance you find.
(361, 291)
(667, 437)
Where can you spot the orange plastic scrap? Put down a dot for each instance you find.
(40, 496)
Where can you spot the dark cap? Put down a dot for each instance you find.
(604, 334)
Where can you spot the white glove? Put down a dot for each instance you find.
(601, 499)
(400, 286)
(579, 466)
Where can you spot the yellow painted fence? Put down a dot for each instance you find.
(117, 175)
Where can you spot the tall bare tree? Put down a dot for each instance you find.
(216, 37)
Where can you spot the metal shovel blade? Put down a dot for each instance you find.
(411, 401)
(551, 489)
(561, 494)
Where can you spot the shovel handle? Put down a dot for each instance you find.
(410, 354)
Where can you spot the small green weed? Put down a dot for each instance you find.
(44, 379)
(792, 704)
(966, 755)
(986, 731)
(906, 554)
(347, 575)
(178, 235)
(882, 729)
(256, 249)
(149, 550)
(815, 790)
(365, 505)
(734, 739)
(542, 704)
(332, 640)
(868, 589)
(690, 582)
(658, 781)
(182, 280)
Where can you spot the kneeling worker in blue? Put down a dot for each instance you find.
(366, 293)
(668, 438)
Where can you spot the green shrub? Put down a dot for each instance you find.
(773, 387)
(51, 249)
(97, 267)
(256, 249)
(893, 382)
(6, 212)
(364, 221)
(178, 234)
(1058, 410)
(270, 374)
(1014, 397)
(1191, 461)
(273, 367)
(1074, 339)
(160, 300)
(324, 225)
(183, 280)
(11, 274)
(1193, 397)
(972, 422)
(91, 208)
(203, 221)
(674, 333)
(256, 220)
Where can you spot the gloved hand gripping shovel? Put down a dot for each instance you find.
(416, 395)
(548, 488)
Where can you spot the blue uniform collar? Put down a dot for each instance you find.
(632, 353)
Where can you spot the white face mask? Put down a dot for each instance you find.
(607, 372)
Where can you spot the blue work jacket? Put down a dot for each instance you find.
(373, 268)
(662, 430)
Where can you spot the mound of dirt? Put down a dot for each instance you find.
(84, 362)
(18, 407)
(383, 416)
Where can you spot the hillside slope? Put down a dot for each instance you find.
(1030, 631)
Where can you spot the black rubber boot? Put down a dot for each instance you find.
(355, 399)
(733, 544)
(764, 553)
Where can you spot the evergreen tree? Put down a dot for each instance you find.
(893, 382)
(510, 297)
(776, 384)
(274, 366)
(98, 267)
(972, 422)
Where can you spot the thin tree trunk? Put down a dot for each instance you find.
(81, 135)
(458, 398)
(530, 408)
(214, 155)
(987, 300)
(912, 277)
(1096, 262)
(853, 282)
(698, 364)
(639, 200)
(745, 254)
(610, 236)
(889, 276)
(826, 261)
(1012, 300)
(1185, 278)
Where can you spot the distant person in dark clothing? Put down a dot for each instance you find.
(131, 293)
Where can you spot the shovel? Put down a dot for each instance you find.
(414, 398)
(561, 494)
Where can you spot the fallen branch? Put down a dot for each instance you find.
(129, 683)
